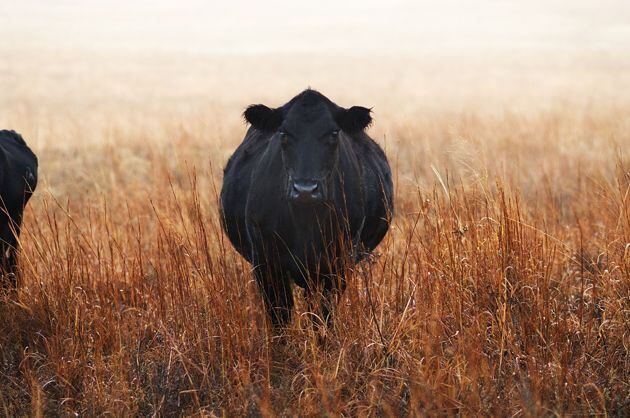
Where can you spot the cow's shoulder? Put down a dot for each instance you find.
(253, 144)
(10, 135)
(13, 144)
(368, 149)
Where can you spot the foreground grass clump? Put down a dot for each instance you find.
(502, 288)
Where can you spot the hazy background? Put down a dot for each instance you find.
(353, 26)
(73, 72)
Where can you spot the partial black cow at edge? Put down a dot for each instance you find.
(306, 195)
(18, 179)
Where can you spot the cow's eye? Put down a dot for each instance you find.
(283, 137)
(333, 138)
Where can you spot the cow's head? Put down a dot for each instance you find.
(309, 130)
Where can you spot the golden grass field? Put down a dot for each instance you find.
(502, 288)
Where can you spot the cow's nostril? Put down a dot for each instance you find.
(306, 191)
(305, 188)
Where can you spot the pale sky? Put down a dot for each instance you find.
(366, 26)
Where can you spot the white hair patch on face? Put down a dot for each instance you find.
(7, 253)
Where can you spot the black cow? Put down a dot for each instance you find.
(18, 179)
(306, 194)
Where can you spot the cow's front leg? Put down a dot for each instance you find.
(334, 286)
(274, 286)
(8, 256)
(8, 264)
(277, 294)
(323, 295)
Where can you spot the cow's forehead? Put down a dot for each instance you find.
(310, 117)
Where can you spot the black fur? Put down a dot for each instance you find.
(263, 118)
(355, 119)
(18, 179)
(310, 245)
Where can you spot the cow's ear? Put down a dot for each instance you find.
(263, 118)
(355, 119)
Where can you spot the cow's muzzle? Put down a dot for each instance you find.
(306, 191)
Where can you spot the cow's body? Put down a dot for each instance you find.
(310, 244)
(18, 179)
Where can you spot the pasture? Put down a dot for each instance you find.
(502, 287)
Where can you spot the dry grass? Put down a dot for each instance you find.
(502, 288)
